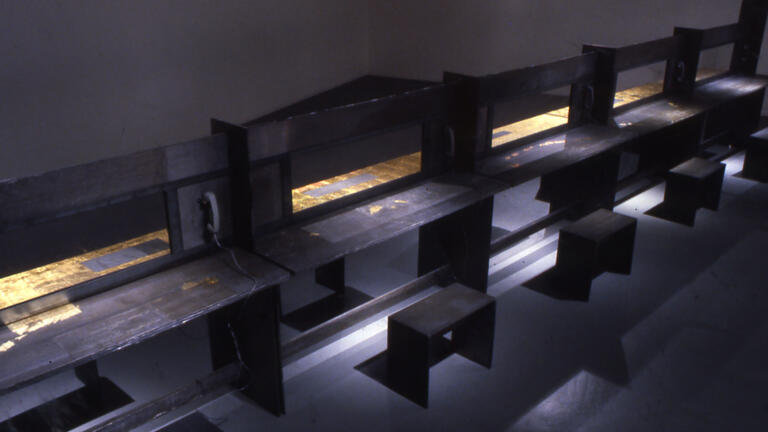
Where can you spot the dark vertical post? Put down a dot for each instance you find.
(605, 83)
(88, 373)
(746, 51)
(462, 240)
(173, 220)
(434, 148)
(331, 275)
(408, 362)
(468, 120)
(248, 333)
(680, 77)
(473, 339)
(286, 185)
(593, 102)
(240, 181)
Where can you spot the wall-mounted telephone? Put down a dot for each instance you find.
(208, 201)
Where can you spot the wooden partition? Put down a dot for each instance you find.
(74, 232)
(264, 156)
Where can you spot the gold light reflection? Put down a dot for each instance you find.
(559, 117)
(529, 126)
(383, 172)
(24, 286)
(32, 324)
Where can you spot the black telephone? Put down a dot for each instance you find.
(213, 224)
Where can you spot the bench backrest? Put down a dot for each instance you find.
(681, 53)
(271, 160)
(475, 106)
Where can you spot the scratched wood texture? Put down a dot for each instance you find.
(321, 240)
(78, 332)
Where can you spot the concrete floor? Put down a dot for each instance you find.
(679, 345)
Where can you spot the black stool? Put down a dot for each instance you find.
(756, 157)
(602, 241)
(692, 185)
(415, 338)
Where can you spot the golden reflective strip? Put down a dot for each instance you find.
(383, 172)
(24, 286)
(529, 126)
(34, 323)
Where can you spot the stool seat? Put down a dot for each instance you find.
(692, 185)
(438, 313)
(602, 241)
(415, 337)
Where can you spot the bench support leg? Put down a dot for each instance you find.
(473, 339)
(253, 324)
(462, 240)
(587, 186)
(88, 373)
(408, 362)
(331, 275)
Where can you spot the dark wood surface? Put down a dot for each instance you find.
(598, 225)
(324, 239)
(697, 168)
(303, 132)
(70, 190)
(536, 79)
(518, 165)
(722, 35)
(437, 313)
(633, 56)
(76, 333)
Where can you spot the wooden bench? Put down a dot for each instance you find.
(756, 157)
(577, 160)
(602, 241)
(451, 211)
(416, 342)
(149, 266)
(694, 184)
(566, 157)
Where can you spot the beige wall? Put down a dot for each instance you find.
(422, 38)
(87, 79)
(84, 80)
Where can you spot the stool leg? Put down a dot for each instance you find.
(473, 339)
(713, 187)
(577, 265)
(331, 275)
(680, 200)
(408, 362)
(617, 253)
(756, 161)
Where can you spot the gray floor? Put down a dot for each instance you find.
(680, 345)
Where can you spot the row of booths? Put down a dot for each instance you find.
(104, 255)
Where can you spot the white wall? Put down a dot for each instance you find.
(83, 80)
(420, 39)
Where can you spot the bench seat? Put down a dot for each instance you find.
(325, 239)
(518, 165)
(82, 331)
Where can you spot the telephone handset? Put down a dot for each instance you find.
(214, 220)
